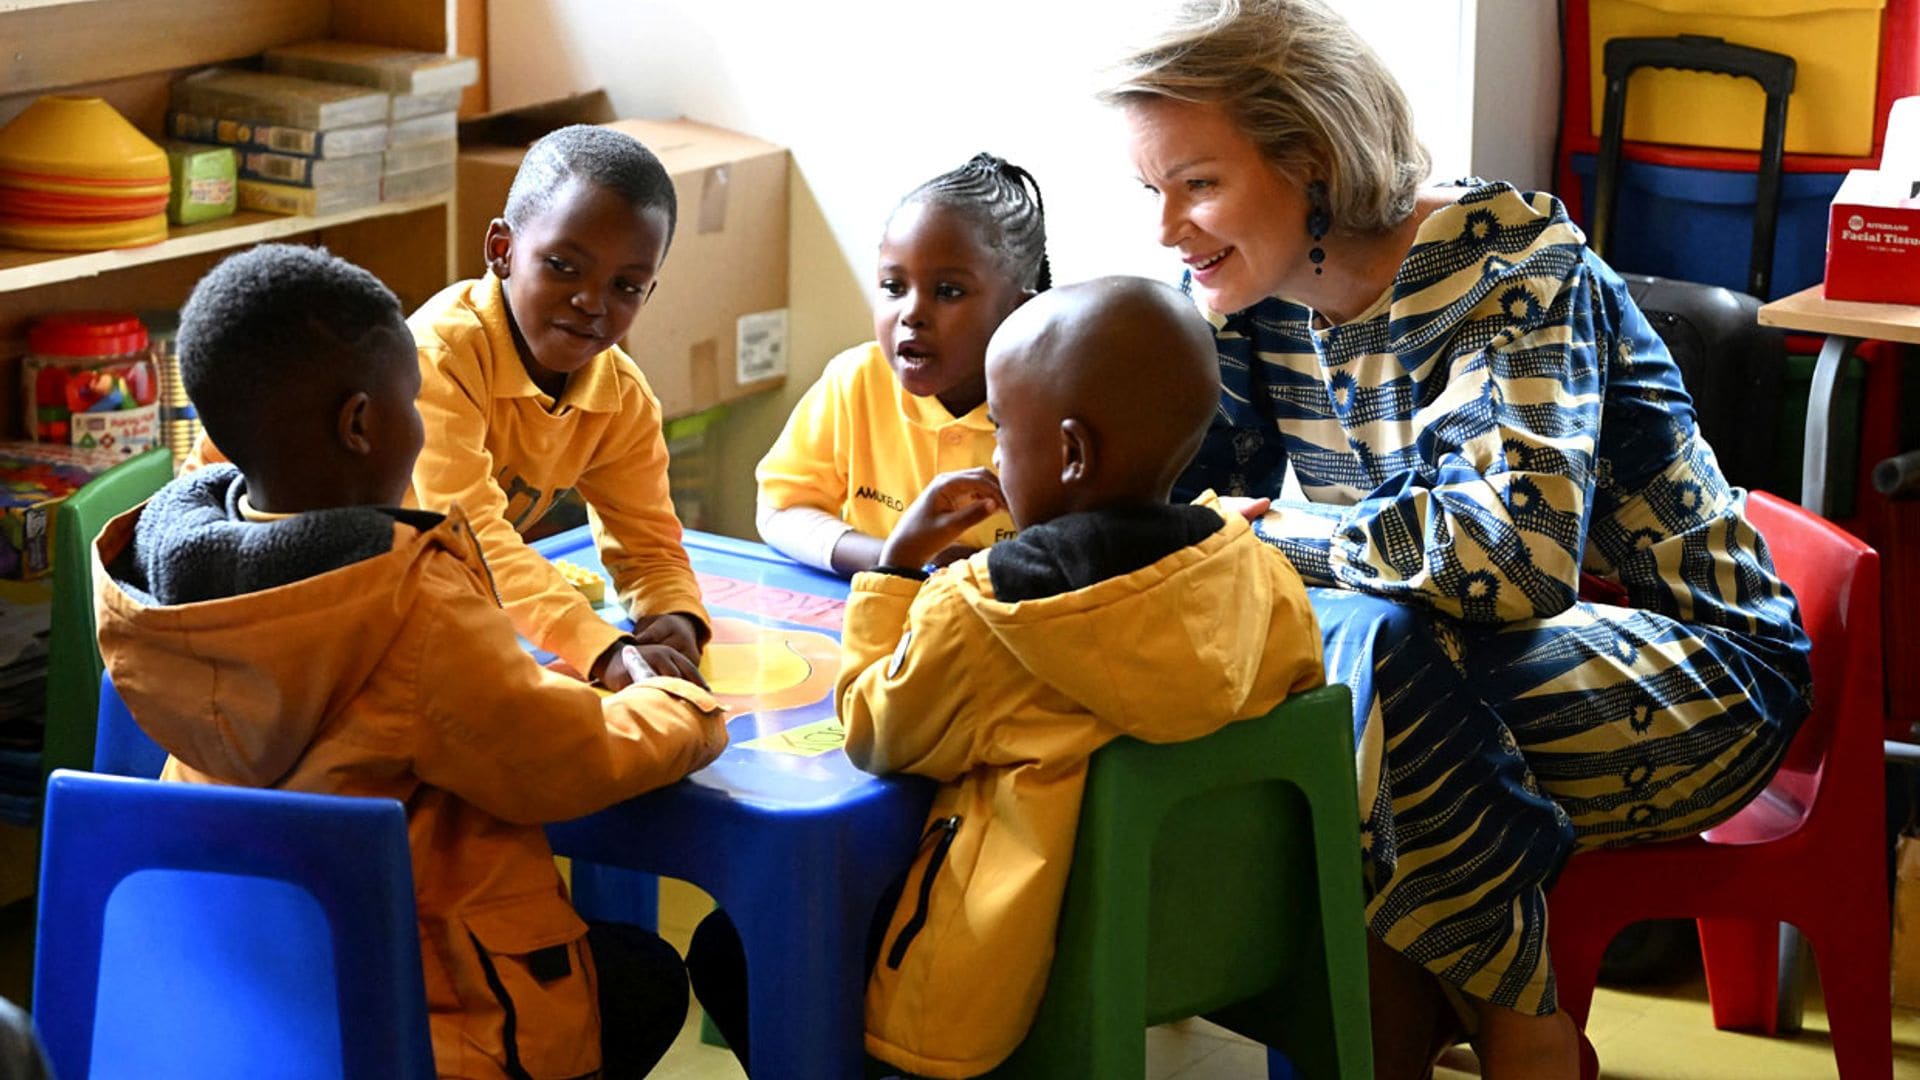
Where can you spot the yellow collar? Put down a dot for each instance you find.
(927, 412)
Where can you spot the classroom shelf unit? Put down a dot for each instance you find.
(128, 52)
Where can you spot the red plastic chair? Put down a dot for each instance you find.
(1809, 850)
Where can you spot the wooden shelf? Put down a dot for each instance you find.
(24, 5)
(129, 52)
(20, 269)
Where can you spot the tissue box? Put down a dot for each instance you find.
(1873, 240)
(34, 479)
(1873, 226)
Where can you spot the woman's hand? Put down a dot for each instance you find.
(953, 503)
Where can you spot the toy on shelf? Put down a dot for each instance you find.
(89, 382)
(179, 420)
(203, 182)
(34, 480)
(76, 176)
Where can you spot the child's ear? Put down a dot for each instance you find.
(499, 244)
(354, 422)
(1079, 454)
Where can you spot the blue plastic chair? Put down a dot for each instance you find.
(189, 930)
(120, 747)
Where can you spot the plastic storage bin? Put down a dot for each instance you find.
(1697, 224)
(1835, 42)
(87, 380)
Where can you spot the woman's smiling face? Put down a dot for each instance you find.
(1238, 222)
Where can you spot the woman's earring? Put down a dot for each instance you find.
(1318, 221)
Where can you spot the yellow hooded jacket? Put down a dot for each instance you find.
(362, 652)
(1003, 701)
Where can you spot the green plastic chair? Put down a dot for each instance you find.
(73, 661)
(1217, 877)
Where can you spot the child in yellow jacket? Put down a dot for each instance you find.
(959, 253)
(1110, 613)
(283, 624)
(527, 393)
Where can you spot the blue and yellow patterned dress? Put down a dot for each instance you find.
(1500, 421)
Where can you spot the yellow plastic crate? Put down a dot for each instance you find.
(1835, 43)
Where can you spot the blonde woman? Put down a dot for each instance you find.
(1479, 418)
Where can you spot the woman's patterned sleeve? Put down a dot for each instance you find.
(1242, 453)
(1487, 518)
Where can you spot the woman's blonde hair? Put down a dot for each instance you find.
(1303, 86)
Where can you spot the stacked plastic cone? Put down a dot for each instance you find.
(76, 176)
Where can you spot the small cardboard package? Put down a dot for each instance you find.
(35, 478)
(715, 329)
(1873, 227)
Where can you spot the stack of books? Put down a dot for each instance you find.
(305, 146)
(331, 125)
(423, 91)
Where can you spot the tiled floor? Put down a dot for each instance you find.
(1659, 1035)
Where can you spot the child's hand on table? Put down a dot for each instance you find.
(670, 644)
(655, 648)
(953, 503)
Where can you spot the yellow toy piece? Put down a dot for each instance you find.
(591, 584)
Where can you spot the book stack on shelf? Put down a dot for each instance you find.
(305, 146)
(330, 125)
(423, 93)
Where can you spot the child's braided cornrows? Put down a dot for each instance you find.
(1005, 199)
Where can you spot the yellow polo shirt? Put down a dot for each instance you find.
(859, 446)
(502, 450)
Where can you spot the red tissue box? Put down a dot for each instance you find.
(1873, 241)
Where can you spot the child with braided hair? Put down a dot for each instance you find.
(957, 256)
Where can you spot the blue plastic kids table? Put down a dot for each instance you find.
(786, 835)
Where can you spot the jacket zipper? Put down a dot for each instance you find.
(941, 832)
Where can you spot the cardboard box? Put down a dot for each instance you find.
(203, 182)
(715, 328)
(34, 479)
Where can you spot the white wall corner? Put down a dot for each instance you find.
(1514, 75)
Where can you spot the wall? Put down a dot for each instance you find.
(874, 97)
(1516, 91)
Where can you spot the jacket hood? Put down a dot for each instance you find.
(1218, 589)
(266, 628)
